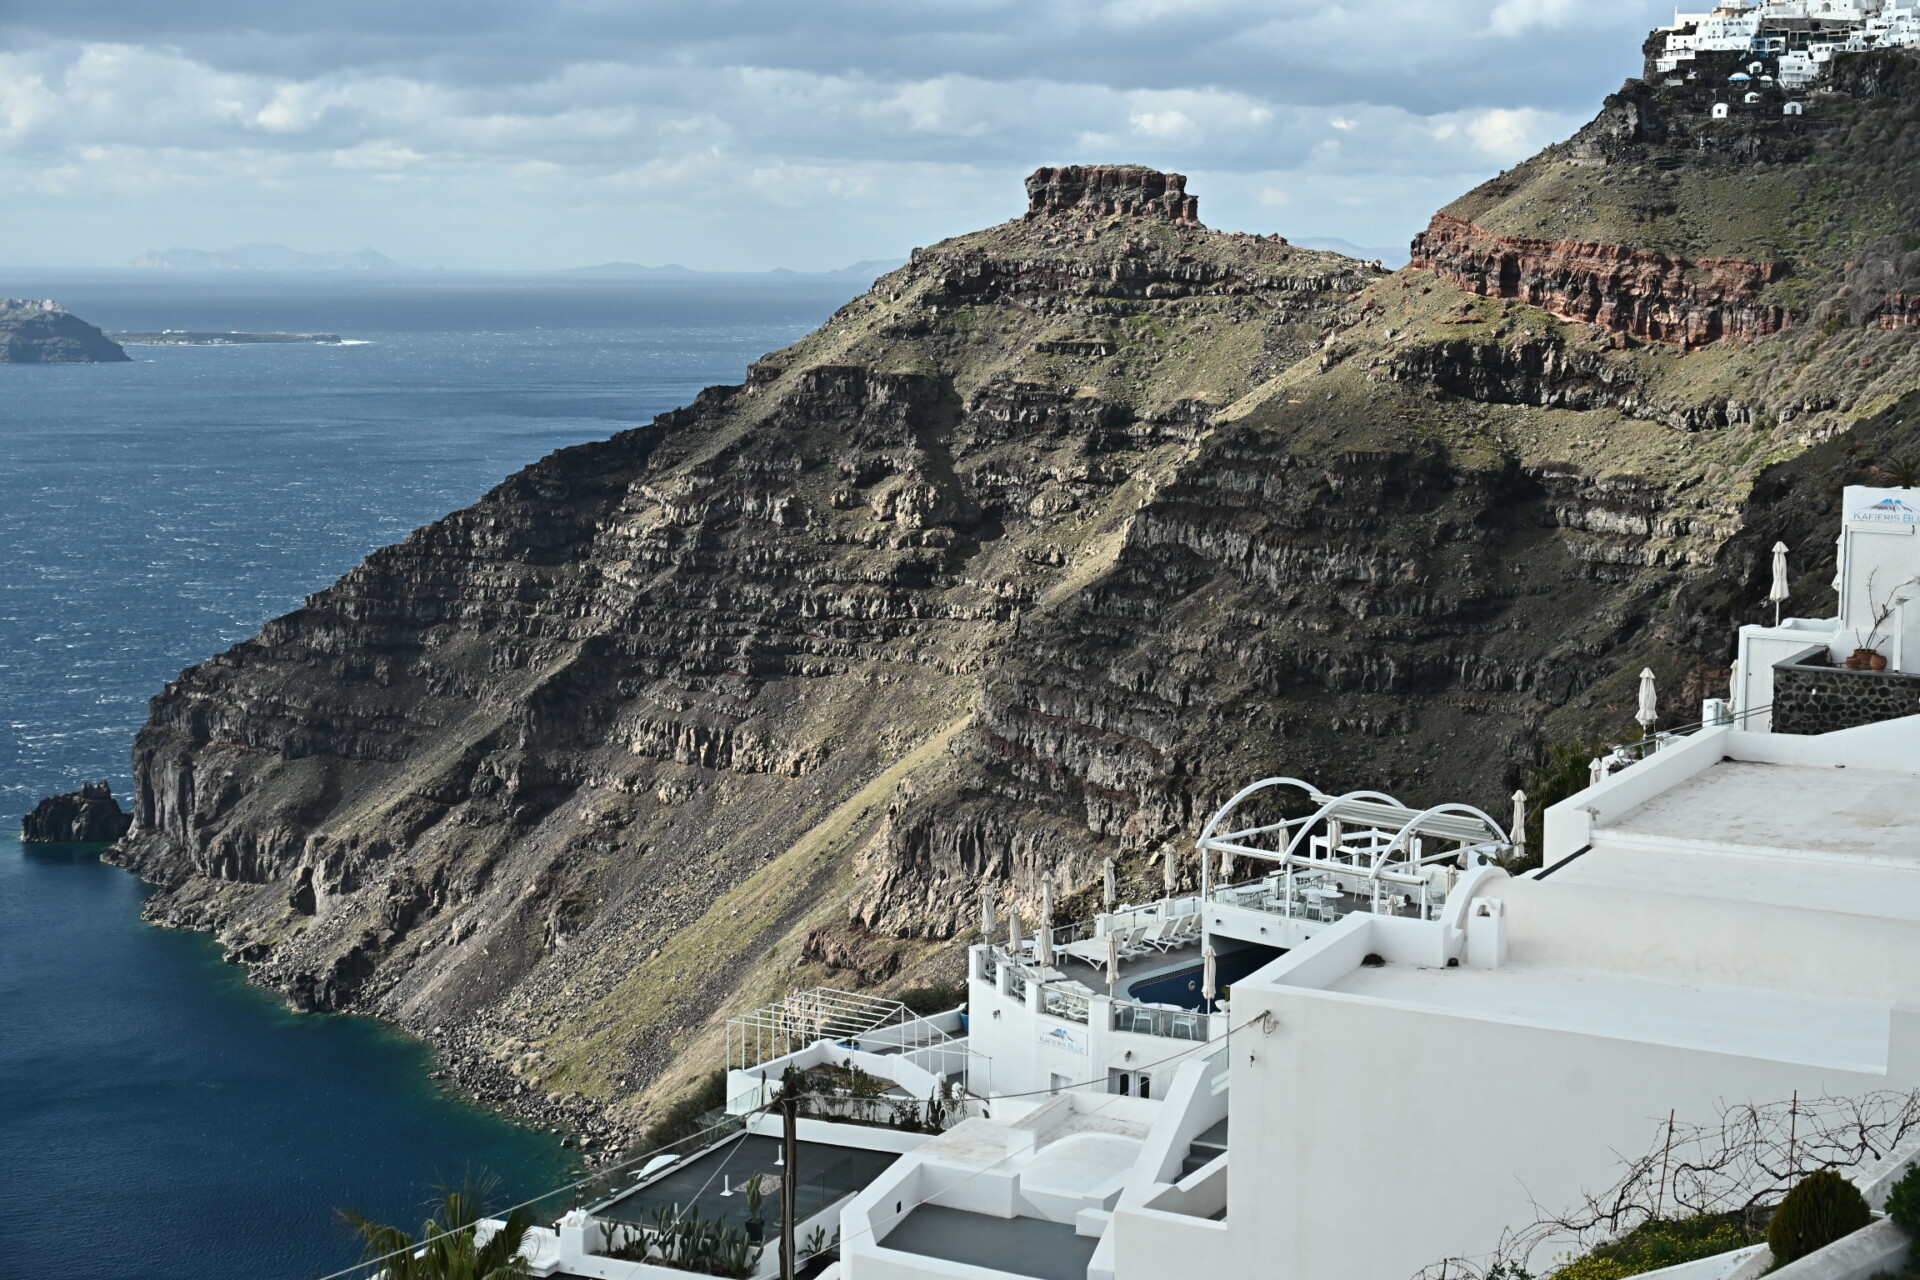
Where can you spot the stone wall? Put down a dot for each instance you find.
(1810, 699)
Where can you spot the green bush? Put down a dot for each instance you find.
(1903, 1202)
(1822, 1208)
(1661, 1243)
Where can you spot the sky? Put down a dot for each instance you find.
(751, 134)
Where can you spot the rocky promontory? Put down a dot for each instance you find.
(88, 816)
(1026, 559)
(44, 332)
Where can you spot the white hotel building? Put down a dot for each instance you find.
(1410, 1050)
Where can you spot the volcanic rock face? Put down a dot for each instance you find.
(47, 333)
(1026, 559)
(1618, 288)
(1099, 191)
(87, 816)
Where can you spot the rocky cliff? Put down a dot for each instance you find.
(1026, 559)
(37, 332)
(88, 816)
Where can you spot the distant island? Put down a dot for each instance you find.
(185, 338)
(265, 257)
(44, 332)
(868, 269)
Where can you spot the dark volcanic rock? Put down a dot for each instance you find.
(47, 333)
(1095, 191)
(1026, 559)
(89, 815)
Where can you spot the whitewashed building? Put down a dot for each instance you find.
(1362, 1046)
(1804, 35)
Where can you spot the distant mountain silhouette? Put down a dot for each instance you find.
(867, 270)
(265, 257)
(633, 269)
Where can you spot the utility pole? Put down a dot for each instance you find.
(789, 1202)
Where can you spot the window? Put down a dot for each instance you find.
(1120, 1082)
(1058, 1083)
(1145, 1083)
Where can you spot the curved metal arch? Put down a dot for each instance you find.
(1400, 840)
(1306, 828)
(1242, 794)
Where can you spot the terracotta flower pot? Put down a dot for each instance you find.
(1879, 662)
(1862, 660)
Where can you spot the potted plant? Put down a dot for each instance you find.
(1868, 656)
(756, 1225)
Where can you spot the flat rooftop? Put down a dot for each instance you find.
(1784, 810)
(826, 1173)
(1826, 1031)
(1021, 1246)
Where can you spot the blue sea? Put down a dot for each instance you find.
(159, 1118)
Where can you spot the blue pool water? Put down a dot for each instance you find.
(1184, 988)
(160, 1119)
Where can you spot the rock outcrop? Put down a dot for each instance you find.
(1026, 559)
(1619, 288)
(1100, 191)
(44, 332)
(88, 816)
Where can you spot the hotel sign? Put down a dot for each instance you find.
(1883, 508)
(1062, 1038)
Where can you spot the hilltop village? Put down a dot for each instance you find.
(1760, 57)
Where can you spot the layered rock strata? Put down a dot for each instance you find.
(1621, 289)
(1026, 559)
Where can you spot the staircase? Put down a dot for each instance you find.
(1205, 1149)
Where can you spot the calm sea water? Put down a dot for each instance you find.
(159, 1118)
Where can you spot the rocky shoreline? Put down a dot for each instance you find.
(1023, 561)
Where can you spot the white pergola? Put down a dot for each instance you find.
(1367, 835)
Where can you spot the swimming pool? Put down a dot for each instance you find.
(1182, 987)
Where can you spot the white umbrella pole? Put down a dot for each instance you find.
(1112, 887)
(1780, 593)
(1113, 962)
(1043, 949)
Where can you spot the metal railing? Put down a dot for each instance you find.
(806, 1017)
(1171, 1024)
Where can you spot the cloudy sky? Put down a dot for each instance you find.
(746, 134)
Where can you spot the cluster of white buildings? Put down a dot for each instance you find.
(1802, 35)
(1362, 1046)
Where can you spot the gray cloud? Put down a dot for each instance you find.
(746, 133)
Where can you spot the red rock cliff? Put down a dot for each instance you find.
(1632, 291)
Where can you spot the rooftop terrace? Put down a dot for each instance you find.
(1020, 1246)
(1825, 1030)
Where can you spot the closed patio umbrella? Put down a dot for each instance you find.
(1166, 867)
(1112, 889)
(1113, 960)
(1519, 833)
(1649, 713)
(1780, 594)
(1209, 984)
(1226, 866)
(1013, 934)
(986, 913)
(1043, 941)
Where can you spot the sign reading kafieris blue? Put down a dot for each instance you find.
(1061, 1038)
(1884, 508)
